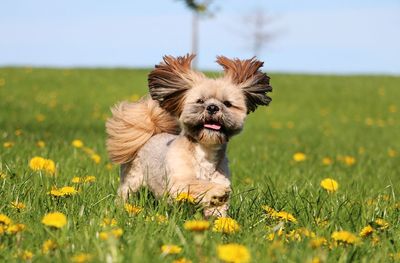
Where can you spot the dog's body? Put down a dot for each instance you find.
(175, 142)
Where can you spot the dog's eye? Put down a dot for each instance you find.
(227, 103)
(200, 101)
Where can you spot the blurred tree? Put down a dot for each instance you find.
(198, 8)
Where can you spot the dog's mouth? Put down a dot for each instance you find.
(212, 125)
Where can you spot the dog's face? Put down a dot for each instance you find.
(210, 110)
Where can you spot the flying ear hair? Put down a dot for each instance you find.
(170, 80)
(247, 75)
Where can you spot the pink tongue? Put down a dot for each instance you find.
(212, 126)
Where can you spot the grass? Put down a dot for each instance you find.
(320, 116)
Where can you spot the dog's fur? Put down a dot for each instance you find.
(175, 142)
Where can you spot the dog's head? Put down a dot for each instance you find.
(210, 110)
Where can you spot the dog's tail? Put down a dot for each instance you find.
(133, 124)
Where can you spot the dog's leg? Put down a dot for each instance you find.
(205, 192)
(131, 178)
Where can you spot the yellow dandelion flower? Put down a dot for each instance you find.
(8, 144)
(115, 233)
(49, 166)
(392, 153)
(2, 175)
(15, 228)
(327, 161)
(108, 222)
(329, 185)
(132, 210)
(96, 158)
(349, 160)
(392, 108)
(56, 220)
(366, 231)
(182, 260)
(36, 163)
(196, 225)
(285, 216)
(104, 235)
(63, 191)
(383, 224)
(344, 237)
(226, 225)
(170, 249)
(234, 253)
(2, 82)
(40, 117)
(299, 157)
(76, 180)
(18, 132)
(77, 143)
(18, 205)
(185, 197)
(26, 255)
(4, 220)
(369, 121)
(56, 193)
(318, 242)
(316, 260)
(40, 144)
(81, 258)
(49, 245)
(109, 166)
(89, 179)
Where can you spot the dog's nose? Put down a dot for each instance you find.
(212, 108)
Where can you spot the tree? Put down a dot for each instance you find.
(198, 8)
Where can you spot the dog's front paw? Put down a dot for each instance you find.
(216, 196)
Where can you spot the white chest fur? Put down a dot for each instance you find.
(206, 161)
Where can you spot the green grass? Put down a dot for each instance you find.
(321, 116)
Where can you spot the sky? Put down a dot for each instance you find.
(309, 36)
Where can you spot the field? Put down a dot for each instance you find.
(346, 128)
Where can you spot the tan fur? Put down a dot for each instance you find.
(143, 137)
(133, 124)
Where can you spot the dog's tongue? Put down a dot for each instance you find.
(216, 127)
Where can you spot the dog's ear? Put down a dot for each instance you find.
(248, 76)
(170, 80)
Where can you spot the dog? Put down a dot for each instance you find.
(174, 141)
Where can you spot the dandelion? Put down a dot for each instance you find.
(233, 253)
(115, 233)
(109, 166)
(96, 158)
(49, 245)
(38, 163)
(327, 161)
(109, 222)
(40, 117)
(2, 82)
(8, 144)
(366, 231)
(40, 144)
(63, 191)
(344, 237)
(87, 179)
(182, 260)
(392, 109)
(318, 242)
(2, 175)
(18, 205)
(299, 157)
(4, 220)
(81, 258)
(185, 197)
(349, 160)
(392, 153)
(279, 215)
(171, 249)
(329, 185)
(15, 228)
(383, 224)
(56, 220)
(132, 210)
(18, 132)
(226, 225)
(196, 225)
(26, 255)
(77, 143)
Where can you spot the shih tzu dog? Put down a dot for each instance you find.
(175, 141)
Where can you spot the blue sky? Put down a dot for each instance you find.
(315, 36)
